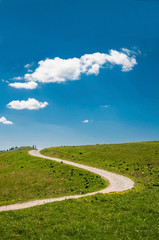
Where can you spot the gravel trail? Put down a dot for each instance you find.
(117, 183)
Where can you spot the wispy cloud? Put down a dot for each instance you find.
(5, 121)
(86, 121)
(17, 78)
(131, 52)
(28, 65)
(30, 104)
(25, 85)
(105, 106)
(30, 71)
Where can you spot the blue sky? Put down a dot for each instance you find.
(110, 95)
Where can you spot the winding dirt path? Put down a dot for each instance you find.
(117, 183)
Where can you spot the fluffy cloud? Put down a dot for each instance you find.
(60, 70)
(30, 104)
(86, 121)
(26, 85)
(5, 121)
(120, 58)
(56, 70)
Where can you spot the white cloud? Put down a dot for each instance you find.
(127, 51)
(91, 63)
(86, 121)
(17, 78)
(106, 106)
(29, 65)
(131, 52)
(29, 70)
(56, 70)
(30, 104)
(5, 121)
(60, 70)
(25, 85)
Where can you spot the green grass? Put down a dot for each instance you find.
(117, 216)
(23, 177)
(140, 161)
(108, 217)
(23, 148)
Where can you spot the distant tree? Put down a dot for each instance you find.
(12, 148)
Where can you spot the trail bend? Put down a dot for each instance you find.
(117, 183)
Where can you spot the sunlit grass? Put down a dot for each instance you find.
(23, 177)
(129, 215)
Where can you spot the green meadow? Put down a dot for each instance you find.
(23, 178)
(133, 214)
(140, 161)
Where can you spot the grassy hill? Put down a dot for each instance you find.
(23, 148)
(116, 216)
(140, 161)
(23, 177)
